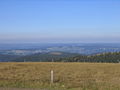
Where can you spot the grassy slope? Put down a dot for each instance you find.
(74, 76)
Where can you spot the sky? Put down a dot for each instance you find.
(60, 21)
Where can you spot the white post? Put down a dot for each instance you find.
(52, 79)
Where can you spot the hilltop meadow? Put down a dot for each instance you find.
(67, 76)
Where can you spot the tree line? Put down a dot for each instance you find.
(111, 57)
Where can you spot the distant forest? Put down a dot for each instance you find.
(99, 58)
(111, 57)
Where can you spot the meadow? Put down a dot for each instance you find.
(67, 76)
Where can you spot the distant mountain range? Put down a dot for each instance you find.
(51, 56)
(58, 52)
(46, 57)
(111, 57)
(85, 49)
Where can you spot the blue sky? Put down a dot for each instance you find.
(60, 21)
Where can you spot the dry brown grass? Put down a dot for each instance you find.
(74, 76)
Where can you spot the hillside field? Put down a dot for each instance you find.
(67, 76)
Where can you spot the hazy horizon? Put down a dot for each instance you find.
(59, 21)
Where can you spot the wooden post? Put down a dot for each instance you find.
(52, 79)
(52, 60)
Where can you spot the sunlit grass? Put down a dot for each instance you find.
(74, 76)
